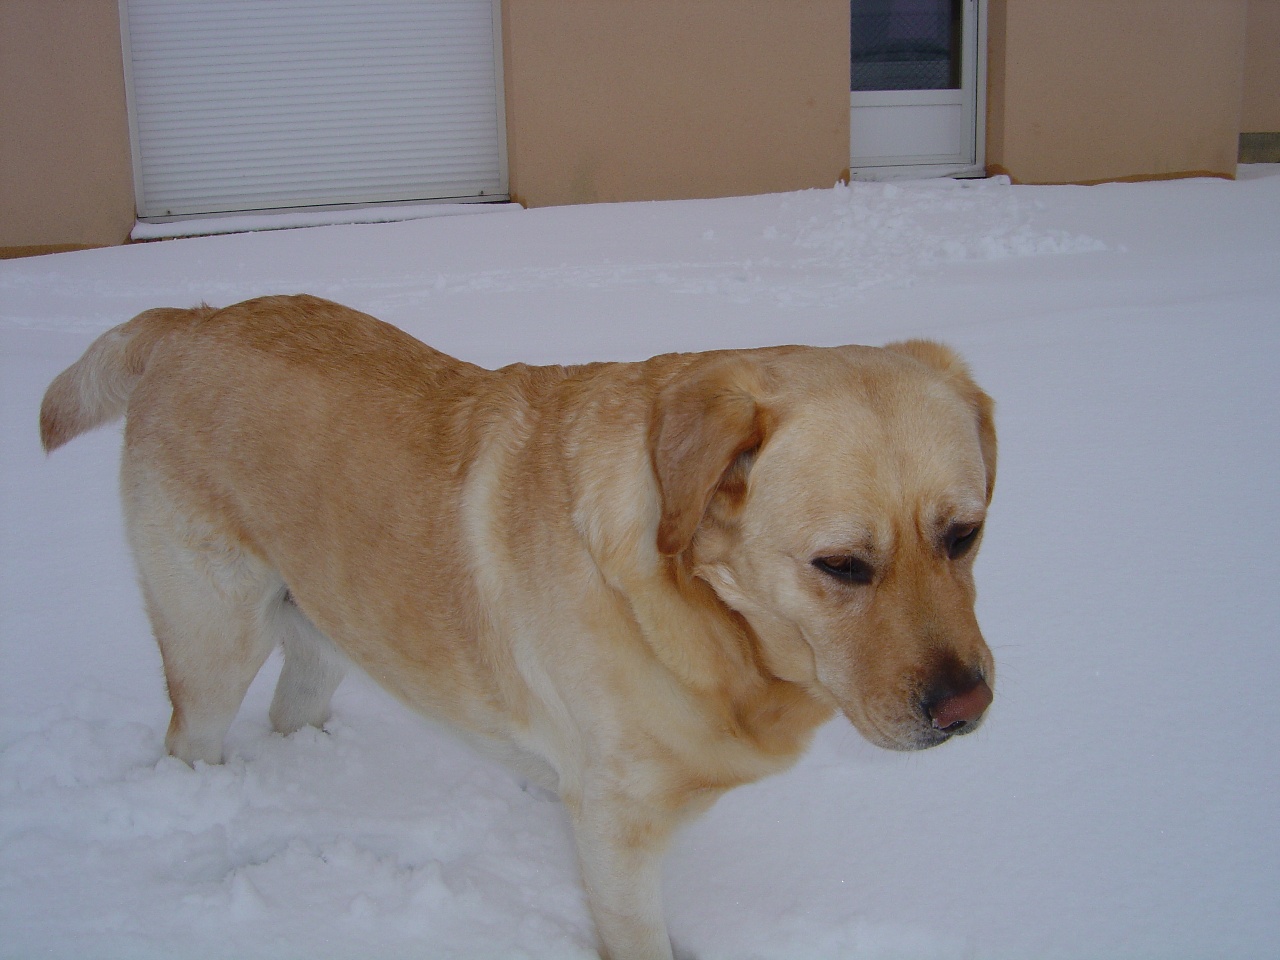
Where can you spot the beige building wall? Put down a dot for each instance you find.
(1098, 90)
(612, 101)
(1261, 109)
(66, 178)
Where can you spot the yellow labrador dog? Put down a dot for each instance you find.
(641, 584)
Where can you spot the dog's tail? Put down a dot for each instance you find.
(95, 389)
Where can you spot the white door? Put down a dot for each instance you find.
(239, 105)
(916, 78)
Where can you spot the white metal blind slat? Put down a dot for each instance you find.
(255, 104)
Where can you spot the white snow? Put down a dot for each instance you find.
(1122, 801)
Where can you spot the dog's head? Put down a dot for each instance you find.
(836, 500)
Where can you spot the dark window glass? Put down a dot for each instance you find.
(905, 44)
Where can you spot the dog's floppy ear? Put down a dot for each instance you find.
(946, 361)
(700, 425)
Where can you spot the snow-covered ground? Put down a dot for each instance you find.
(1123, 799)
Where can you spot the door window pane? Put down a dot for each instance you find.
(905, 44)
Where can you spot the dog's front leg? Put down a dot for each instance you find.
(620, 847)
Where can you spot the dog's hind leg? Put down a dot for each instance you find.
(313, 668)
(210, 604)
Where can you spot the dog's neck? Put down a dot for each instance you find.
(720, 653)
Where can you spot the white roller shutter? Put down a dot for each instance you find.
(264, 104)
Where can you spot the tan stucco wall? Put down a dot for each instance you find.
(1099, 90)
(674, 98)
(1261, 110)
(65, 173)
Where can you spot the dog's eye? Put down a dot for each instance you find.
(848, 569)
(960, 539)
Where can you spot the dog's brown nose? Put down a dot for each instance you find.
(954, 711)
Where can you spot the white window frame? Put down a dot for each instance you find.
(149, 213)
(970, 159)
